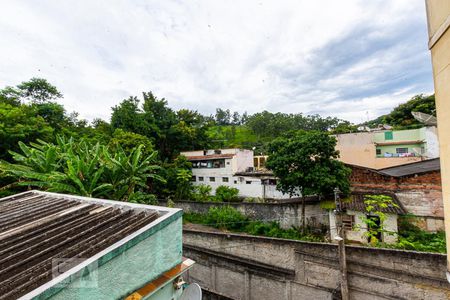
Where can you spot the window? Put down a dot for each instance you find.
(200, 178)
(401, 150)
(388, 135)
(248, 182)
(224, 179)
(348, 221)
(193, 178)
(212, 179)
(378, 151)
(235, 182)
(217, 151)
(262, 162)
(255, 162)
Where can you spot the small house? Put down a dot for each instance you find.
(355, 213)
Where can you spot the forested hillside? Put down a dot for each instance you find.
(43, 141)
(401, 118)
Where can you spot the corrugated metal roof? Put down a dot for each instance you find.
(412, 168)
(36, 228)
(356, 203)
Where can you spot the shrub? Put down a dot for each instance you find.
(226, 194)
(225, 217)
(143, 198)
(201, 193)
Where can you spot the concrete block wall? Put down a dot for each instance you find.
(267, 268)
(287, 214)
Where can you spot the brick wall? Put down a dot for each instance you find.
(420, 194)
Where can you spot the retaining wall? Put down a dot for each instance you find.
(247, 267)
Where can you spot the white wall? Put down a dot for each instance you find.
(431, 138)
(358, 234)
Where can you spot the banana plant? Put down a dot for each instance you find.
(130, 172)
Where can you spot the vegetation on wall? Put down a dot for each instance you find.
(228, 218)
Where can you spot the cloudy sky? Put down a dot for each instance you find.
(351, 59)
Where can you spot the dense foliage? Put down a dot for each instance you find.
(401, 118)
(306, 164)
(82, 168)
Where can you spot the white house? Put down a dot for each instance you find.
(233, 168)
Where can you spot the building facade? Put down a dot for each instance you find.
(233, 168)
(387, 148)
(417, 187)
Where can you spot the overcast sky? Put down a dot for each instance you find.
(350, 59)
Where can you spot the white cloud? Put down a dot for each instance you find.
(338, 58)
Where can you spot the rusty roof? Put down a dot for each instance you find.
(211, 156)
(37, 228)
(356, 203)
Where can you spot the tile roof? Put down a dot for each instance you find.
(37, 227)
(356, 203)
(412, 168)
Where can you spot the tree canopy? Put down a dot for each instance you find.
(306, 162)
(401, 118)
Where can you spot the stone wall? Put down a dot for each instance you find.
(420, 194)
(287, 214)
(248, 267)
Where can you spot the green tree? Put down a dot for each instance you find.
(305, 163)
(130, 140)
(38, 90)
(20, 123)
(401, 118)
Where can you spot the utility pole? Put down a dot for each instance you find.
(341, 245)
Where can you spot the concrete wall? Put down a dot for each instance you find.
(288, 214)
(247, 267)
(438, 16)
(431, 136)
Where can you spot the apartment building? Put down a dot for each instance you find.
(387, 148)
(233, 168)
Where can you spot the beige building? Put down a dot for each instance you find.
(387, 148)
(438, 15)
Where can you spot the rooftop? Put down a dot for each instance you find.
(209, 156)
(356, 203)
(38, 227)
(412, 168)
